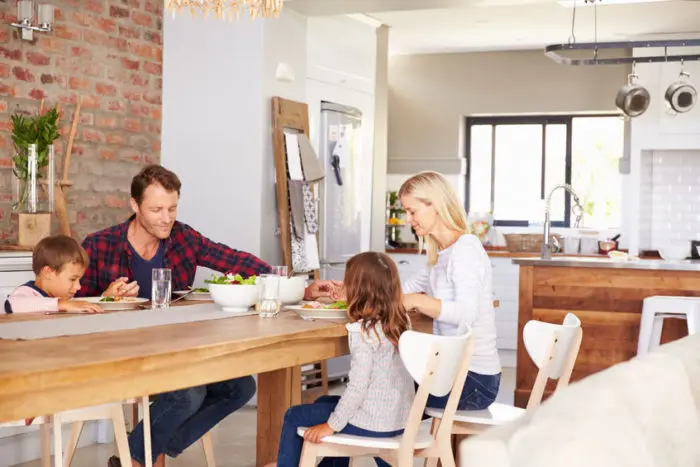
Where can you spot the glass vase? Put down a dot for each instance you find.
(33, 186)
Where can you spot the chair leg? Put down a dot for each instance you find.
(45, 431)
(432, 461)
(146, 405)
(308, 455)
(646, 331)
(208, 447)
(57, 441)
(76, 430)
(120, 437)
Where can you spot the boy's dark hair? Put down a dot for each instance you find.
(56, 251)
(150, 175)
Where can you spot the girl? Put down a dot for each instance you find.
(380, 392)
(455, 287)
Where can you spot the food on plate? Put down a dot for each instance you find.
(231, 279)
(117, 299)
(199, 290)
(339, 305)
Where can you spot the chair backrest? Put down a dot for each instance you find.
(417, 349)
(440, 365)
(553, 348)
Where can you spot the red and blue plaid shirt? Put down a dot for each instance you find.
(184, 250)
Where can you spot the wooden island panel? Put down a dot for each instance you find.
(608, 301)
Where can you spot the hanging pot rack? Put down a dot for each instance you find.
(554, 52)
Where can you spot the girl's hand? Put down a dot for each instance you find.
(316, 433)
(322, 289)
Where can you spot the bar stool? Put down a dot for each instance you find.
(656, 308)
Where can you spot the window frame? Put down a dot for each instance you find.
(543, 120)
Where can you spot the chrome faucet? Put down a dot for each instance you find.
(550, 243)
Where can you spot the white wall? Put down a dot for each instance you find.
(670, 198)
(657, 132)
(212, 124)
(341, 68)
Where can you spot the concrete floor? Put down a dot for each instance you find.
(234, 439)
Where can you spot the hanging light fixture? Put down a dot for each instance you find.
(226, 9)
(25, 18)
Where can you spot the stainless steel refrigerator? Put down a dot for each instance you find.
(346, 198)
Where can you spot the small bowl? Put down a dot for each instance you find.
(292, 289)
(235, 298)
(674, 252)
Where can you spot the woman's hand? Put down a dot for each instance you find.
(122, 288)
(322, 289)
(422, 303)
(316, 433)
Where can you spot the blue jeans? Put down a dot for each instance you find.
(478, 393)
(180, 418)
(309, 415)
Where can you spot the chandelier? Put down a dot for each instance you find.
(226, 9)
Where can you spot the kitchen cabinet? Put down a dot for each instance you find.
(505, 289)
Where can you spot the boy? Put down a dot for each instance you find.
(59, 263)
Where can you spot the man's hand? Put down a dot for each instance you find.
(316, 433)
(122, 288)
(78, 305)
(322, 289)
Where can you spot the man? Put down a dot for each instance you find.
(121, 260)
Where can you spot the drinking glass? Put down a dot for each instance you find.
(160, 289)
(281, 271)
(269, 295)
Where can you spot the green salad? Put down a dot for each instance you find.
(231, 279)
(199, 290)
(339, 305)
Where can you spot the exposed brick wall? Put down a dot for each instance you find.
(109, 54)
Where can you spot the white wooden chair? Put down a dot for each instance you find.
(439, 364)
(112, 411)
(553, 348)
(120, 432)
(78, 417)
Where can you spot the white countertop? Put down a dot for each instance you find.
(15, 260)
(576, 262)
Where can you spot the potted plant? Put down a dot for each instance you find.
(41, 131)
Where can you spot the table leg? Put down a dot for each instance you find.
(277, 391)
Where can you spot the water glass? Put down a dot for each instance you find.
(281, 271)
(160, 288)
(269, 295)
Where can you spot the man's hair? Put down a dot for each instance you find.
(56, 252)
(153, 174)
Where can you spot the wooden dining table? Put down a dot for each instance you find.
(46, 376)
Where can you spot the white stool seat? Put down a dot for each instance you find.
(657, 308)
(496, 414)
(423, 440)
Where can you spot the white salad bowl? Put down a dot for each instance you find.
(236, 298)
(292, 289)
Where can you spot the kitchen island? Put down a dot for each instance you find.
(607, 297)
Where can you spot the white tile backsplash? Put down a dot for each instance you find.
(669, 198)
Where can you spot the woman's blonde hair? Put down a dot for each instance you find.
(432, 189)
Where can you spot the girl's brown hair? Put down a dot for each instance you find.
(373, 291)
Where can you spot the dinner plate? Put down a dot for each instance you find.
(318, 313)
(195, 296)
(125, 303)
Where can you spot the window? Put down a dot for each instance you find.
(514, 162)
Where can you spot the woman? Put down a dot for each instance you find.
(455, 287)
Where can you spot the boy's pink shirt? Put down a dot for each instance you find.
(24, 299)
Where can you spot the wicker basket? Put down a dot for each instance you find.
(526, 242)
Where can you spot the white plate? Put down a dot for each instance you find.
(126, 303)
(194, 296)
(319, 313)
